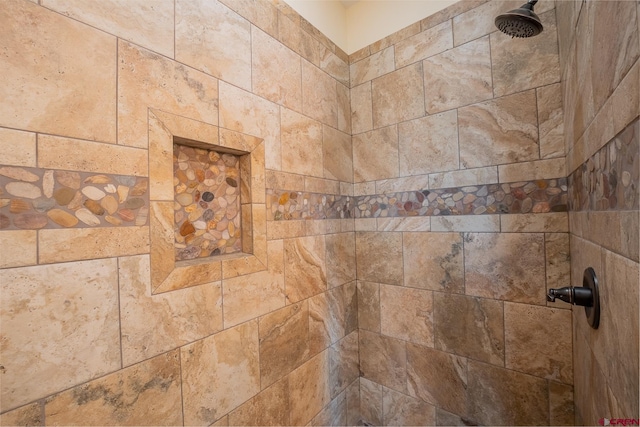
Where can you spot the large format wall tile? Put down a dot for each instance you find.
(341, 258)
(269, 408)
(371, 401)
(398, 96)
(369, 306)
(332, 315)
(407, 314)
(58, 75)
(375, 154)
(344, 363)
(26, 141)
(301, 139)
(383, 360)
(309, 389)
(337, 154)
(442, 270)
(361, 108)
(319, 95)
(305, 267)
(423, 45)
(60, 328)
(214, 39)
(379, 257)
(551, 121)
(402, 410)
(144, 394)
(373, 66)
(28, 415)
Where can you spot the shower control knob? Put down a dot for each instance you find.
(587, 296)
(576, 296)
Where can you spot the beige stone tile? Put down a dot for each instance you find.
(309, 389)
(630, 241)
(319, 185)
(245, 112)
(398, 96)
(147, 80)
(444, 264)
(376, 65)
(343, 363)
(57, 332)
(284, 181)
(144, 394)
(361, 108)
(78, 155)
(538, 169)
(478, 323)
(407, 314)
(525, 63)
(561, 404)
(499, 131)
(334, 414)
(337, 154)
(146, 24)
(396, 37)
(341, 258)
(383, 360)
(74, 81)
(365, 224)
(284, 341)
(534, 223)
(17, 148)
(375, 155)
(469, 223)
(499, 396)
(626, 98)
(268, 408)
(428, 370)
(423, 45)
(332, 315)
(293, 36)
(152, 324)
(262, 14)
(403, 224)
(353, 403)
(444, 418)
(364, 188)
(371, 401)
(479, 21)
(369, 306)
(61, 245)
(558, 263)
(29, 415)
(402, 410)
(275, 71)
(551, 121)
(538, 341)
(335, 66)
(458, 77)
(20, 248)
(219, 373)
(305, 267)
(465, 177)
(428, 144)
(301, 139)
(379, 257)
(319, 95)
(224, 421)
(408, 183)
(285, 229)
(507, 266)
(344, 108)
(215, 40)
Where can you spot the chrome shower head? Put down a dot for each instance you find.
(521, 22)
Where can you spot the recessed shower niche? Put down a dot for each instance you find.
(207, 207)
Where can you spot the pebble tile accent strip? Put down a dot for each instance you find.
(34, 198)
(207, 203)
(610, 179)
(540, 196)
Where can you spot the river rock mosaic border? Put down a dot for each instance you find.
(539, 196)
(610, 179)
(36, 198)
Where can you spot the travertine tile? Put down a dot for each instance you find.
(344, 108)
(144, 394)
(464, 177)
(507, 266)
(146, 24)
(461, 223)
(19, 248)
(428, 144)
(320, 185)
(319, 95)
(383, 360)
(147, 80)
(285, 229)
(341, 258)
(75, 81)
(561, 404)
(407, 314)
(361, 108)
(262, 14)
(214, 39)
(219, 373)
(402, 410)
(538, 169)
(245, 112)
(445, 418)
(337, 154)
(535, 222)
(503, 130)
(309, 389)
(396, 37)
(69, 328)
(375, 155)
(369, 306)
(353, 403)
(551, 121)
(427, 372)
(398, 96)
(558, 263)
(343, 363)
(301, 139)
(364, 188)
(379, 257)
(284, 341)
(334, 414)
(293, 36)
(332, 315)
(152, 324)
(403, 224)
(275, 71)
(268, 408)
(373, 66)
(423, 45)
(458, 77)
(371, 401)
(305, 267)
(442, 270)
(29, 415)
(478, 323)
(499, 396)
(26, 142)
(284, 181)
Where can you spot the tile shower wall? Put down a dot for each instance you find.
(84, 340)
(601, 88)
(461, 223)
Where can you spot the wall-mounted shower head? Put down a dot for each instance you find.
(521, 22)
